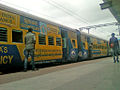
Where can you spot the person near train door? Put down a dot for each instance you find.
(114, 45)
(90, 50)
(30, 41)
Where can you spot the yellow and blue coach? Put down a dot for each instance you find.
(13, 28)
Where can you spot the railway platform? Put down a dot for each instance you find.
(99, 74)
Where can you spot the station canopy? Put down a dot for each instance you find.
(114, 7)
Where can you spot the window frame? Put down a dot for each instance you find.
(42, 37)
(14, 30)
(53, 43)
(74, 43)
(58, 44)
(6, 34)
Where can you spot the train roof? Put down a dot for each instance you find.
(93, 36)
(22, 13)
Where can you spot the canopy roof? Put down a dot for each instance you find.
(115, 8)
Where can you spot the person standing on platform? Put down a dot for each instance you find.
(30, 41)
(114, 45)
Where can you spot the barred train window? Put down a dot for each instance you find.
(58, 41)
(50, 40)
(42, 39)
(3, 34)
(17, 36)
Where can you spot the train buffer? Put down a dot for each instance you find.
(99, 74)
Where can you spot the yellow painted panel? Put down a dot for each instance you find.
(44, 52)
(8, 18)
(51, 29)
(72, 34)
(86, 45)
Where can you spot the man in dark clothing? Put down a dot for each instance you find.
(114, 45)
(29, 48)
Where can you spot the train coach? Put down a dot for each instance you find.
(91, 46)
(54, 42)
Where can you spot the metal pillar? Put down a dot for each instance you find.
(88, 30)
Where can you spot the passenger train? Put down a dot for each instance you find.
(54, 42)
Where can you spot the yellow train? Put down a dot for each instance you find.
(92, 46)
(54, 42)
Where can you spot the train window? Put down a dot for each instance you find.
(83, 45)
(64, 42)
(42, 39)
(17, 36)
(73, 43)
(58, 41)
(50, 40)
(3, 34)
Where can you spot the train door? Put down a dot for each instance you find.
(84, 46)
(69, 45)
(64, 44)
(72, 44)
(79, 46)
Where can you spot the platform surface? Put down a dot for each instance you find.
(102, 75)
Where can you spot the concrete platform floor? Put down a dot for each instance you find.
(102, 75)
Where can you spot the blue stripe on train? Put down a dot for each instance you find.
(96, 52)
(9, 55)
